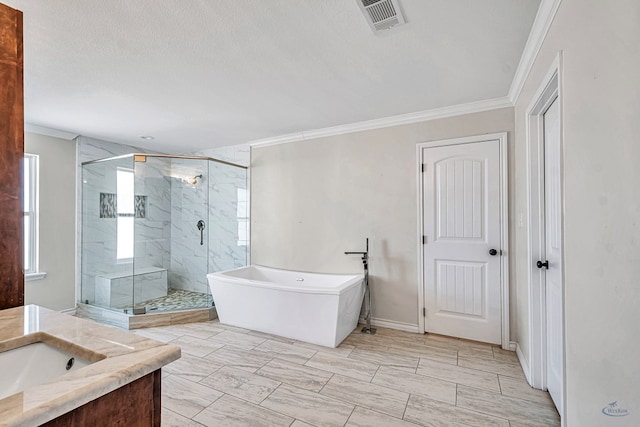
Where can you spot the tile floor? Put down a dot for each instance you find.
(229, 376)
(176, 299)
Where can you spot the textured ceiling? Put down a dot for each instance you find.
(199, 74)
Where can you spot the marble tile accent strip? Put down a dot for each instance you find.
(186, 397)
(344, 366)
(242, 384)
(416, 384)
(107, 205)
(508, 407)
(382, 399)
(429, 412)
(459, 375)
(295, 374)
(231, 412)
(308, 406)
(140, 206)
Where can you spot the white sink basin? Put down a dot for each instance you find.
(34, 364)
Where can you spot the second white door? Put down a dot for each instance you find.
(553, 253)
(462, 240)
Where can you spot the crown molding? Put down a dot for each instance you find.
(402, 119)
(539, 29)
(56, 133)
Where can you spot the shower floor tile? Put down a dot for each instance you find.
(176, 299)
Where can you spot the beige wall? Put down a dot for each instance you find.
(313, 200)
(57, 222)
(601, 50)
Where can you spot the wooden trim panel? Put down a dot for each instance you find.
(11, 153)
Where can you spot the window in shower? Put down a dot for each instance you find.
(243, 217)
(125, 214)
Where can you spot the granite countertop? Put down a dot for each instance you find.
(119, 358)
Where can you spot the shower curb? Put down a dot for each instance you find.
(129, 321)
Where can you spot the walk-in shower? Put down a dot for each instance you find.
(154, 225)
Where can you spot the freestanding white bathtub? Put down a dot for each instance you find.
(317, 308)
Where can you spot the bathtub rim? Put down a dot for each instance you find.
(353, 280)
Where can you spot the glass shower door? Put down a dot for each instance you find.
(107, 234)
(171, 234)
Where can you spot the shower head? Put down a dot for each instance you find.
(194, 180)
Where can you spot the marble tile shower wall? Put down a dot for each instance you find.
(219, 199)
(228, 208)
(228, 217)
(98, 235)
(152, 234)
(188, 206)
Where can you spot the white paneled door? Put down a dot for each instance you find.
(462, 240)
(552, 265)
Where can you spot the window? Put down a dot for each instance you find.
(30, 209)
(125, 213)
(243, 217)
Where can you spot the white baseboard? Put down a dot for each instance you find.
(512, 346)
(69, 311)
(524, 363)
(392, 324)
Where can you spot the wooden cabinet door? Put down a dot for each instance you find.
(11, 154)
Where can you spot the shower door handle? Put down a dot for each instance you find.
(200, 226)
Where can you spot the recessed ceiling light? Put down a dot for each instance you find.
(147, 137)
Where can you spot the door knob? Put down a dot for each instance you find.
(493, 252)
(541, 264)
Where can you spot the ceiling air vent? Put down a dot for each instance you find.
(381, 14)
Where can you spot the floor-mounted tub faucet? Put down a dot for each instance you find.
(365, 261)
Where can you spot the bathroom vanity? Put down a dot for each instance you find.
(59, 370)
